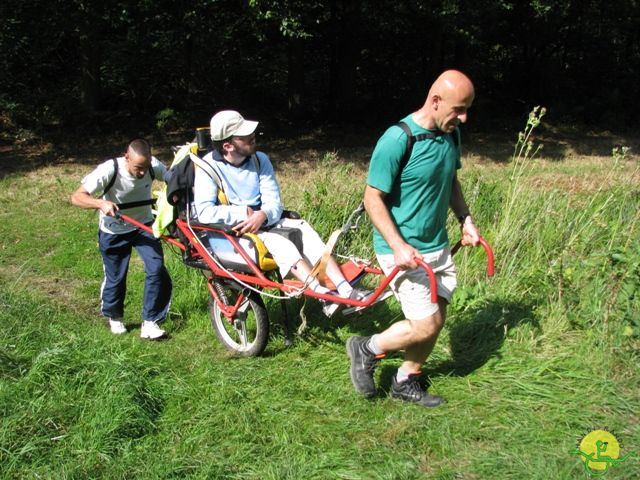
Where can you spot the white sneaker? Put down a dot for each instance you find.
(151, 330)
(357, 294)
(117, 326)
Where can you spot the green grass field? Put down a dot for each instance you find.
(529, 361)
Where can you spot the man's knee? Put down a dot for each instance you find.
(425, 328)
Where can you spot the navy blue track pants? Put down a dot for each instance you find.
(116, 252)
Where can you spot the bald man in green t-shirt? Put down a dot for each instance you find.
(408, 204)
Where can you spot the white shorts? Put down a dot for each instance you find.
(285, 253)
(411, 287)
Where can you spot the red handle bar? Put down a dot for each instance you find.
(487, 249)
(432, 279)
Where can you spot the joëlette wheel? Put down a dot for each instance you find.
(248, 332)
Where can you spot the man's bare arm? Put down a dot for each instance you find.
(82, 199)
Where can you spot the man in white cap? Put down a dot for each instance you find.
(254, 203)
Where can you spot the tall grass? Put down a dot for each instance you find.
(529, 360)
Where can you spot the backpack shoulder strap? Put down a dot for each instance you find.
(412, 139)
(207, 168)
(112, 180)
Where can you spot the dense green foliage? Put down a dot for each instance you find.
(529, 361)
(169, 62)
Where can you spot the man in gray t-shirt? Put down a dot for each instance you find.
(128, 179)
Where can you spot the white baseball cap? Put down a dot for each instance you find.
(228, 123)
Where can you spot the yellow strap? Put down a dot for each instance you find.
(265, 259)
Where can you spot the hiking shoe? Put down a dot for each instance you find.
(117, 326)
(363, 363)
(329, 308)
(151, 330)
(411, 391)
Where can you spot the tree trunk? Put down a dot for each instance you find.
(345, 19)
(90, 53)
(90, 87)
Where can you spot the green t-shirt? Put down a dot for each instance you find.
(419, 200)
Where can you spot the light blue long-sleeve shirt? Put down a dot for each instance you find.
(244, 187)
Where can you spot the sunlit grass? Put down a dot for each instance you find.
(529, 361)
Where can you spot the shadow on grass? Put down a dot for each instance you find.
(73, 147)
(12, 367)
(476, 335)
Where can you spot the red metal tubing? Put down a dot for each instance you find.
(228, 311)
(147, 229)
(262, 280)
(488, 251)
(432, 279)
(258, 278)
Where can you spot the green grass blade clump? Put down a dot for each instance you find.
(529, 360)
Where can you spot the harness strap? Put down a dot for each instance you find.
(139, 203)
(207, 168)
(412, 139)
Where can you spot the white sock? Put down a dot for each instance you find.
(401, 375)
(316, 287)
(373, 346)
(344, 289)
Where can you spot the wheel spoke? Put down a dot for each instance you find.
(243, 334)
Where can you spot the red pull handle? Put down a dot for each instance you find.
(432, 279)
(488, 251)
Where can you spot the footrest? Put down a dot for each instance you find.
(196, 263)
(383, 296)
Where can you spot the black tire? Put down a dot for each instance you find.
(247, 334)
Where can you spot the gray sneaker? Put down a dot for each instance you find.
(411, 391)
(363, 363)
(329, 308)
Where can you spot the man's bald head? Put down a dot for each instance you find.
(453, 82)
(450, 96)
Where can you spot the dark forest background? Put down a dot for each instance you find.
(106, 66)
